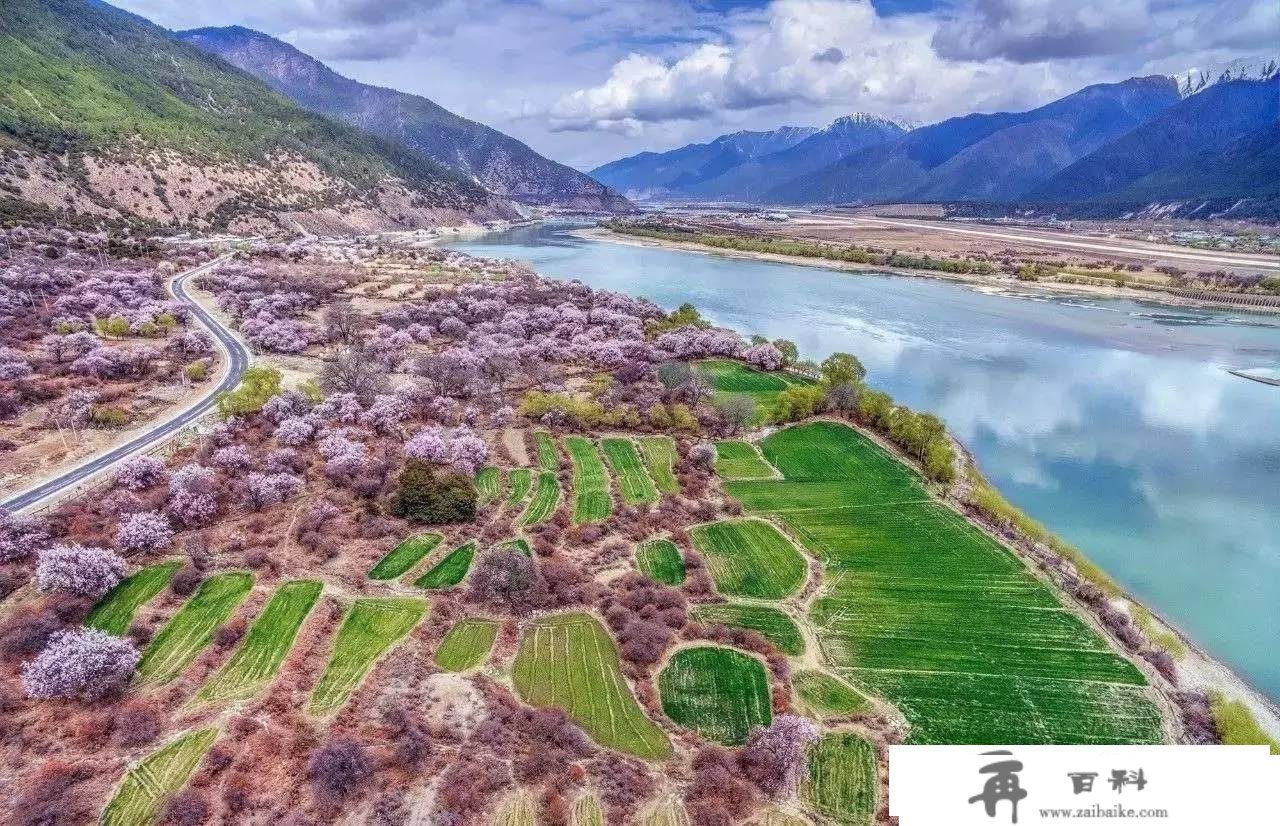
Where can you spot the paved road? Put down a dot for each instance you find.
(234, 353)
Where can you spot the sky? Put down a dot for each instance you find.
(589, 82)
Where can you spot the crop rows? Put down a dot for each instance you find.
(660, 560)
(545, 499)
(114, 612)
(842, 779)
(372, 627)
(467, 644)
(488, 485)
(520, 479)
(404, 556)
(592, 502)
(717, 692)
(633, 480)
(774, 625)
(750, 558)
(450, 570)
(740, 460)
(191, 629)
(659, 454)
(827, 696)
(587, 811)
(548, 458)
(146, 787)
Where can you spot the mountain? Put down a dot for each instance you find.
(499, 162)
(658, 173)
(1214, 140)
(105, 115)
(985, 156)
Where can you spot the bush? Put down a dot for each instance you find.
(431, 497)
(257, 386)
(800, 402)
(338, 769)
(83, 663)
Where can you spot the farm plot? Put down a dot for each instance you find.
(733, 378)
(750, 558)
(404, 556)
(516, 809)
(488, 485)
(926, 610)
(842, 779)
(467, 644)
(772, 624)
(591, 500)
(449, 571)
(660, 560)
(568, 661)
(258, 659)
(191, 629)
(717, 692)
(545, 498)
(740, 460)
(548, 457)
(114, 612)
(587, 811)
(146, 787)
(825, 696)
(520, 479)
(633, 480)
(659, 454)
(372, 627)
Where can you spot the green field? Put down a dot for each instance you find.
(545, 498)
(449, 571)
(548, 456)
(147, 786)
(842, 779)
(826, 696)
(467, 644)
(773, 625)
(740, 460)
(257, 660)
(718, 692)
(519, 543)
(520, 479)
(400, 559)
(488, 485)
(659, 454)
(371, 628)
(114, 612)
(516, 809)
(191, 629)
(591, 500)
(633, 480)
(587, 811)
(750, 558)
(660, 560)
(568, 661)
(924, 609)
(733, 378)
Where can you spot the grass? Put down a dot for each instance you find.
(372, 627)
(842, 779)
(733, 378)
(516, 809)
(568, 661)
(548, 457)
(147, 786)
(717, 692)
(257, 660)
(826, 696)
(451, 570)
(520, 479)
(114, 612)
(772, 624)
(660, 560)
(591, 500)
(587, 811)
(659, 454)
(404, 556)
(467, 644)
(750, 558)
(191, 629)
(1236, 724)
(740, 460)
(545, 499)
(488, 485)
(633, 480)
(667, 812)
(924, 609)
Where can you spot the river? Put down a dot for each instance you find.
(1114, 422)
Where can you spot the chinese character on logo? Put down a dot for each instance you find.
(1002, 785)
(1121, 778)
(1081, 781)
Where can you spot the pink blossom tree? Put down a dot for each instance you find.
(428, 445)
(144, 532)
(266, 489)
(467, 451)
(79, 569)
(141, 472)
(233, 457)
(294, 431)
(763, 355)
(20, 536)
(83, 663)
(774, 758)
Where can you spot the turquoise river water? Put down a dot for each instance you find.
(1114, 422)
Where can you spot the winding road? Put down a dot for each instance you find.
(235, 355)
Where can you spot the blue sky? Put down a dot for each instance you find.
(586, 82)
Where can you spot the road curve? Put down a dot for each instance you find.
(235, 355)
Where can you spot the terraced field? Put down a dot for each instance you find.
(467, 644)
(548, 456)
(488, 485)
(718, 692)
(660, 560)
(114, 612)
(733, 378)
(449, 571)
(659, 454)
(545, 499)
(750, 558)
(372, 627)
(842, 779)
(773, 625)
(923, 608)
(736, 459)
(191, 629)
(826, 696)
(257, 660)
(591, 500)
(404, 556)
(633, 480)
(568, 661)
(520, 479)
(147, 786)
